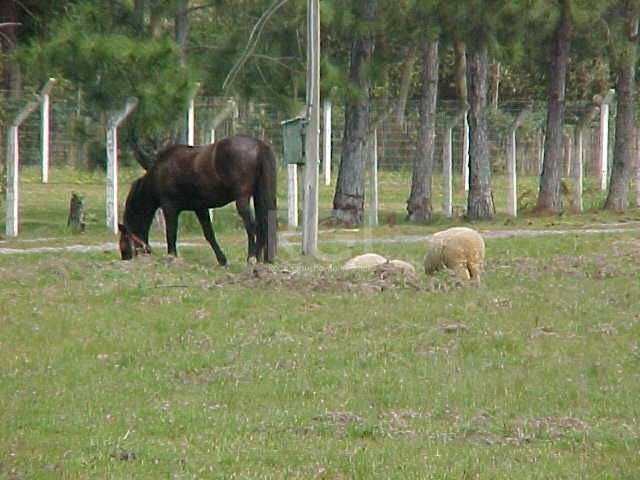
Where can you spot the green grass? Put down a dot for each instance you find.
(181, 369)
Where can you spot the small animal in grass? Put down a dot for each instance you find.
(460, 249)
(76, 220)
(370, 261)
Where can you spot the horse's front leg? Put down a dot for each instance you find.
(171, 226)
(209, 234)
(244, 210)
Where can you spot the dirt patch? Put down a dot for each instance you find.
(367, 282)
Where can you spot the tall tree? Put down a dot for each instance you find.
(624, 24)
(9, 18)
(486, 27)
(570, 20)
(419, 204)
(424, 25)
(348, 201)
(549, 199)
(480, 200)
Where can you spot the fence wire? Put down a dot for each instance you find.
(75, 138)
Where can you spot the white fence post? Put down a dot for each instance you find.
(372, 148)
(578, 172)
(44, 128)
(578, 165)
(447, 170)
(637, 167)
(512, 166)
(112, 163)
(191, 116)
(327, 142)
(292, 195)
(512, 177)
(604, 145)
(13, 169)
(447, 159)
(11, 227)
(465, 152)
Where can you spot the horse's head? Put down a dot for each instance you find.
(130, 244)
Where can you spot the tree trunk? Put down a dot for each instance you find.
(155, 21)
(623, 152)
(405, 85)
(138, 15)
(461, 87)
(480, 203)
(549, 199)
(75, 219)
(461, 71)
(348, 202)
(182, 29)
(419, 205)
(10, 79)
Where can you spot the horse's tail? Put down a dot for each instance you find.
(264, 201)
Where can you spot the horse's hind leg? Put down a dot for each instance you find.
(244, 210)
(171, 225)
(207, 229)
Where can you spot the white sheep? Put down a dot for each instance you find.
(368, 260)
(460, 249)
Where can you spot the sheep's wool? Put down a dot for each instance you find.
(460, 249)
(368, 260)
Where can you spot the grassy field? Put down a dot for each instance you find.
(181, 369)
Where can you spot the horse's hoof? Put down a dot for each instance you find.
(252, 260)
(222, 262)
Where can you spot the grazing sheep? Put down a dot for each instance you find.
(460, 249)
(368, 260)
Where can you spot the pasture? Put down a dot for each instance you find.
(182, 369)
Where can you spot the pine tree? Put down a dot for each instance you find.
(424, 23)
(348, 201)
(624, 54)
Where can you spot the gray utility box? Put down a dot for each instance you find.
(293, 138)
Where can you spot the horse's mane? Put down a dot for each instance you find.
(132, 204)
(170, 150)
(167, 152)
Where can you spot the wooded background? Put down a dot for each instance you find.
(402, 67)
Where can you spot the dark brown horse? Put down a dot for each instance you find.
(203, 177)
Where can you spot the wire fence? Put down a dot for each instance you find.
(77, 140)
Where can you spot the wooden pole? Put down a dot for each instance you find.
(312, 150)
(327, 142)
(372, 145)
(112, 163)
(13, 169)
(44, 128)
